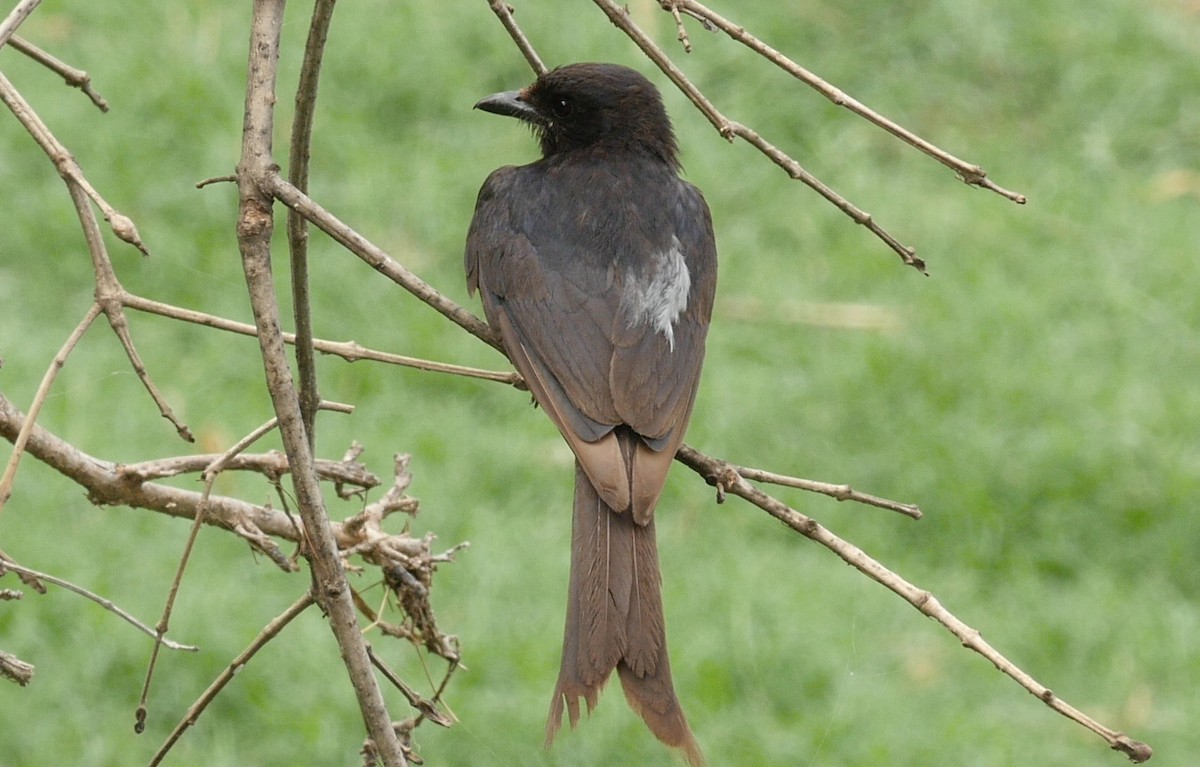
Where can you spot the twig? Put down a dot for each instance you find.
(347, 350)
(619, 15)
(122, 226)
(297, 227)
(504, 12)
(272, 464)
(358, 245)
(106, 486)
(76, 78)
(672, 7)
(39, 399)
(970, 174)
(107, 604)
(15, 17)
(840, 492)
(108, 293)
(256, 172)
(726, 476)
(269, 632)
(427, 708)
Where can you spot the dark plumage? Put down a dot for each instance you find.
(597, 265)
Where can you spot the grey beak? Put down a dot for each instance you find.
(510, 104)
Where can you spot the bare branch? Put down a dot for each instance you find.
(381, 262)
(504, 12)
(347, 350)
(970, 174)
(619, 15)
(297, 227)
(7, 564)
(256, 170)
(15, 18)
(726, 476)
(269, 632)
(76, 78)
(39, 398)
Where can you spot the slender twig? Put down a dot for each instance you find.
(297, 227)
(39, 399)
(256, 174)
(122, 226)
(970, 174)
(15, 17)
(672, 7)
(107, 604)
(619, 15)
(841, 492)
(76, 78)
(504, 12)
(726, 476)
(380, 261)
(269, 632)
(427, 708)
(347, 350)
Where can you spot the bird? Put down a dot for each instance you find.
(596, 265)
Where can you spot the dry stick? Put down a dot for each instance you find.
(108, 289)
(970, 174)
(107, 486)
(840, 492)
(504, 12)
(39, 399)
(269, 632)
(68, 168)
(358, 245)
(672, 7)
(15, 18)
(347, 350)
(297, 227)
(726, 476)
(76, 78)
(209, 475)
(108, 296)
(619, 15)
(107, 604)
(255, 223)
(273, 464)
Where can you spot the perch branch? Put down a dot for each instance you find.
(726, 477)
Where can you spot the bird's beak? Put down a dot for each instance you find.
(510, 104)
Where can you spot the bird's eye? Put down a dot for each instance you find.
(561, 108)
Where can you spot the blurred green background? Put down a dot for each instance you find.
(1037, 394)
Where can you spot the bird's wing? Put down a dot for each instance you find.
(656, 372)
(593, 356)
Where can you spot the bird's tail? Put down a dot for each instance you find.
(615, 620)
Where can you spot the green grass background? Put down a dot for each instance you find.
(1037, 395)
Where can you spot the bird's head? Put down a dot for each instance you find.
(579, 106)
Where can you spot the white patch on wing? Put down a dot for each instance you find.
(659, 297)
